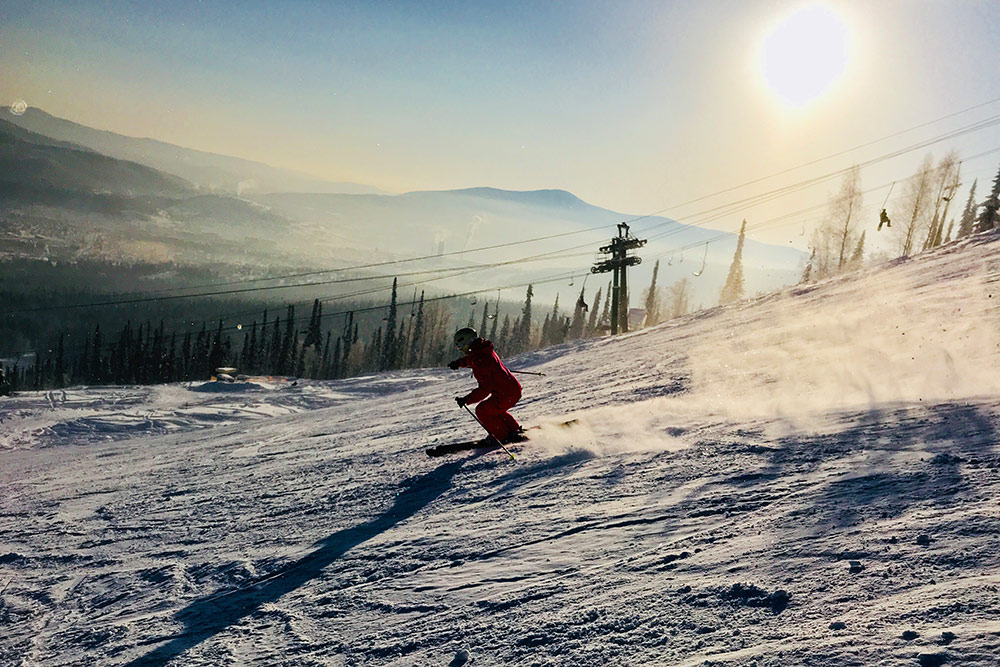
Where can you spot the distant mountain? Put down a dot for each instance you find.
(60, 201)
(32, 162)
(429, 222)
(549, 198)
(425, 222)
(535, 233)
(207, 170)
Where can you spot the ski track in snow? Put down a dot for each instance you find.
(766, 445)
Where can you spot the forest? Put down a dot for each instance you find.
(362, 337)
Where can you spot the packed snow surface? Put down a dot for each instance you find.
(807, 478)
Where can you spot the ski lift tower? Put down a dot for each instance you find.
(617, 258)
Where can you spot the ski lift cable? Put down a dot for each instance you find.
(562, 253)
(818, 160)
(788, 189)
(548, 255)
(754, 200)
(333, 298)
(557, 278)
(343, 297)
(563, 234)
(689, 225)
(542, 281)
(722, 210)
(264, 288)
(886, 200)
(376, 290)
(973, 127)
(769, 223)
(379, 264)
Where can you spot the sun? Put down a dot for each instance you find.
(804, 54)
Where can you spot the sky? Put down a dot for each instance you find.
(634, 106)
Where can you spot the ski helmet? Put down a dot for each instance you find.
(464, 337)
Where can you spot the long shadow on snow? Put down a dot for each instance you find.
(943, 428)
(946, 433)
(211, 615)
(943, 431)
(950, 428)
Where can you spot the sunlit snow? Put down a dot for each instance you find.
(797, 479)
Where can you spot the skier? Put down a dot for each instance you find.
(883, 219)
(495, 381)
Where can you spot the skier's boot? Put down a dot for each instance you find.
(516, 436)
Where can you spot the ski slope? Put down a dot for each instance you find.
(807, 478)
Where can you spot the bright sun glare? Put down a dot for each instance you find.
(804, 54)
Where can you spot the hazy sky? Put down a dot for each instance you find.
(634, 106)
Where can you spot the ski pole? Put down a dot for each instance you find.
(527, 373)
(488, 432)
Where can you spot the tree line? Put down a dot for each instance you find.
(145, 354)
(917, 221)
(299, 347)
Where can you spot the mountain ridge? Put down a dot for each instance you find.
(30, 159)
(315, 226)
(205, 168)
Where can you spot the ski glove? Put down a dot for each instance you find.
(460, 400)
(454, 365)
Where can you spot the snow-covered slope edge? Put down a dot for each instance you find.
(800, 479)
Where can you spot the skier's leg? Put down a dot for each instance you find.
(500, 423)
(491, 415)
(505, 403)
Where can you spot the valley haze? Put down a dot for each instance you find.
(78, 186)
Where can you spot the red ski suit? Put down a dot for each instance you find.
(498, 383)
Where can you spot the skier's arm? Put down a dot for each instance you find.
(477, 394)
(459, 363)
(489, 377)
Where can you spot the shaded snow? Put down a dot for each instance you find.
(726, 470)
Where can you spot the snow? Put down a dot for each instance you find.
(726, 472)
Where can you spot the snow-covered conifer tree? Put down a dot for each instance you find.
(733, 289)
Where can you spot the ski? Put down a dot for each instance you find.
(451, 448)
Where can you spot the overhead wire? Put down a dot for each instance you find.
(275, 287)
(603, 226)
(717, 212)
(816, 161)
(769, 222)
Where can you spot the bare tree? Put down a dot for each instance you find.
(437, 334)
(835, 237)
(844, 211)
(917, 207)
(944, 184)
(679, 298)
(823, 259)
